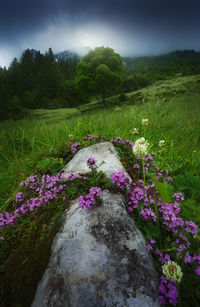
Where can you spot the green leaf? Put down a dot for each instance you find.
(43, 164)
(163, 191)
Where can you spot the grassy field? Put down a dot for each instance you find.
(172, 108)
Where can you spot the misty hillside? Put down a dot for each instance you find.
(178, 57)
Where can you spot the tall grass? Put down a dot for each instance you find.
(177, 121)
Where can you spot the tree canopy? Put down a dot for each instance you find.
(100, 73)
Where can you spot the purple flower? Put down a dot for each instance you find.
(51, 149)
(197, 270)
(95, 191)
(178, 197)
(162, 299)
(148, 214)
(86, 201)
(191, 227)
(23, 184)
(188, 258)
(91, 162)
(136, 166)
(168, 291)
(72, 176)
(168, 179)
(120, 179)
(19, 197)
(74, 147)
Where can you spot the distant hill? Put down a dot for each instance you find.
(143, 71)
(177, 58)
(72, 55)
(67, 55)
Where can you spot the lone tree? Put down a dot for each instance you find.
(99, 72)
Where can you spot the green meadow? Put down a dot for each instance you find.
(172, 108)
(36, 145)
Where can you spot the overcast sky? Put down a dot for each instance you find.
(130, 27)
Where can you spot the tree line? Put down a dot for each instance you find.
(39, 80)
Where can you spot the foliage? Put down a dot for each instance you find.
(51, 166)
(99, 72)
(45, 199)
(37, 80)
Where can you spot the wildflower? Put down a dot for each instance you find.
(19, 197)
(120, 179)
(168, 290)
(148, 214)
(88, 200)
(168, 179)
(140, 147)
(95, 191)
(172, 271)
(72, 176)
(191, 227)
(197, 271)
(162, 143)
(188, 258)
(136, 166)
(23, 184)
(178, 197)
(74, 147)
(91, 162)
(149, 245)
(51, 149)
(145, 122)
(134, 131)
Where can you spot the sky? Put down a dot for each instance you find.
(130, 27)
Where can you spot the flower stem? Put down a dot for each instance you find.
(143, 171)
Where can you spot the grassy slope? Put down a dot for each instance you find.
(172, 107)
(173, 116)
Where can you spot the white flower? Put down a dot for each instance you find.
(140, 147)
(162, 143)
(172, 271)
(145, 122)
(142, 141)
(134, 131)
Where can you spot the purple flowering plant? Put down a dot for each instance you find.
(170, 237)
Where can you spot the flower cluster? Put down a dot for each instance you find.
(94, 138)
(140, 147)
(134, 131)
(120, 179)
(72, 176)
(178, 197)
(75, 147)
(19, 197)
(148, 214)
(47, 189)
(145, 122)
(91, 162)
(168, 290)
(172, 271)
(145, 198)
(86, 201)
(119, 140)
(161, 143)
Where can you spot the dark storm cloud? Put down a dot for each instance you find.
(133, 27)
